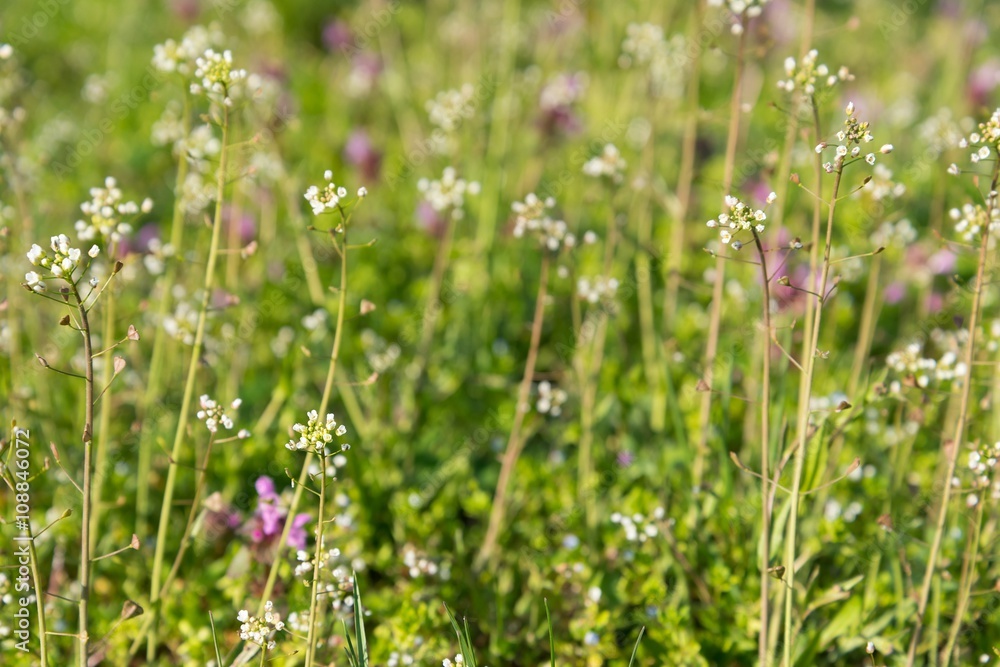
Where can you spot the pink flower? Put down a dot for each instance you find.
(268, 521)
(894, 293)
(942, 262)
(360, 153)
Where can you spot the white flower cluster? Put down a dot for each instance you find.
(637, 527)
(609, 163)
(740, 218)
(854, 134)
(985, 141)
(983, 461)
(643, 42)
(316, 435)
(418, 564)
(596, 289)
(803, 76)
(941, 132)
(448, 193)
(450, 107)
(550, 399)
(898, 235)
(457, 662)
(924, 370)
(183, 323)
(532, 216)
(258, 630)
(62, 263)
(751, 8)
(396, 659)
(173, 57)
(381, 354)
(972, 220)
(219, 79)
(991, 335)
(645, 45)
(104, 213)
(563, 91)
(214, 414)
(336, 583)
(327, 199)
(882, 187)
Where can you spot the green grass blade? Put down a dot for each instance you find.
(635, 650)
(552, 639)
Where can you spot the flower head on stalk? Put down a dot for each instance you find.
(106, 214)
(214, 415)
(740, 218)
(805, 75)
(330, 196)
(260, 630)
(316, 434)
(61, 261)
(447, 195)
(739, 9)
(973, 219)
(985, 142)
(532, 217)
(216, 78)
(854, 135)
(608, 164)
(180, 57)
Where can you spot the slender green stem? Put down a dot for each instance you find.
(272, 575)
(88, 437)
(314, 585)
(185, 541)
(590, 343)
(497, 146)
(956, 444)
(765, 457)
(104, 423)
(644, 288)
(802, 426)
(514, 442)
(715, 317)
(199, 339)
(156, 365)
(966, 582)
(867, 330)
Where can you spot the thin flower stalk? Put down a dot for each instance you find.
(182, 420)
(869, 316)
(88, 437)
(951, 452)
(272, 575)
(589, 371)
(965, 583)
(765, 457)
(515, 442)
(802, 425)
(715, 318)
(154, 385)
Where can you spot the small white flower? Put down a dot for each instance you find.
(94, 251)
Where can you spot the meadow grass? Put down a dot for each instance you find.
(494, 368)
